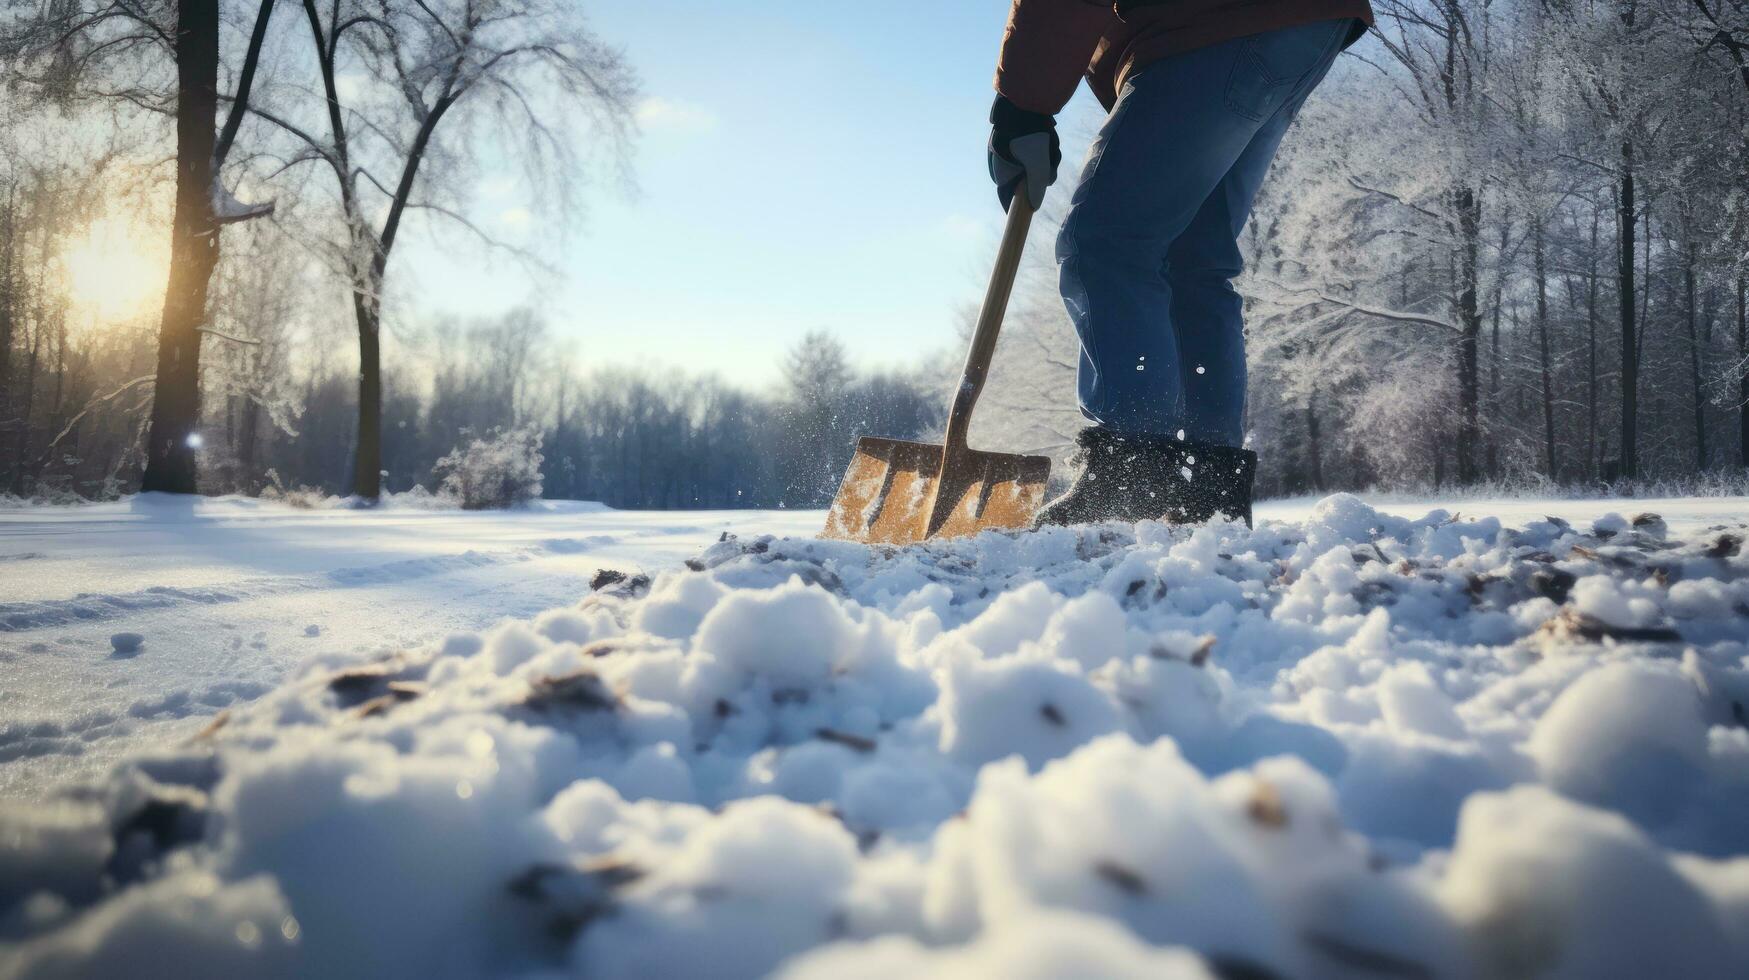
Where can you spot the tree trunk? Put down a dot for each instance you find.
(1494, 408)
(1591, 356)
(1688, 287)
(1314, 443)
(1743, 382)
(1470, 325)
(8, 305)
(248, 439)
(1542, 330)
(171, 440)
(57, 407)
(27, 406)
(367, 462)
(57, 404)
(1630, 358)
(1494, 317)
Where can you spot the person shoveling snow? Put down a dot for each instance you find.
(1200, 94)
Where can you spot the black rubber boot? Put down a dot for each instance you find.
(1220, 482)
(1139, 478)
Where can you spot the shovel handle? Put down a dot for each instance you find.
(959, 417)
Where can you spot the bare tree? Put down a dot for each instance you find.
(202, 205)
(1443, 46)
(109, 50)
(529, 67)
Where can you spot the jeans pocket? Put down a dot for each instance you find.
(1268, 68)
(1251, 91)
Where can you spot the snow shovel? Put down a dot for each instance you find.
(898, 492)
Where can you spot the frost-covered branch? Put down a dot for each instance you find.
(1378, 312)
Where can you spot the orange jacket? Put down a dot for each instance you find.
(1051, 44)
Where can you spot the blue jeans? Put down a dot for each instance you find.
(1150, 248)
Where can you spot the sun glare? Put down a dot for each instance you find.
(115, 273)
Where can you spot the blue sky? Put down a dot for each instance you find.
(804, 165)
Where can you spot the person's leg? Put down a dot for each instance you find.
(1166, 189)
(1207, 312)
(1139, 189)
(1178, 130)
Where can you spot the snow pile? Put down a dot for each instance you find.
(1360, 745)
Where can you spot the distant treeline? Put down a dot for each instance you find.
(628, 437)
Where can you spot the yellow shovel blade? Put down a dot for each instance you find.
(896, 492)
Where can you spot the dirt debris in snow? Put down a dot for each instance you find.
(1353, 745)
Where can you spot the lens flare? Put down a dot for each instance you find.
(115, 273)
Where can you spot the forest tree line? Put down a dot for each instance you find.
(1520, 248)
(1507, 241)
(629, 437)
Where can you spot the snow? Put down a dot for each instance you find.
(229, 595)
(227, 209)
(1506, 739)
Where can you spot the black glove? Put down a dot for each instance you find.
(1023, 149)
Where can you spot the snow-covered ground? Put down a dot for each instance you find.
(232, 594)
(1506, 741)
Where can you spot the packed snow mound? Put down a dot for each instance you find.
(1357, 746)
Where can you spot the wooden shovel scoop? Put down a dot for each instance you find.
(899, 492)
